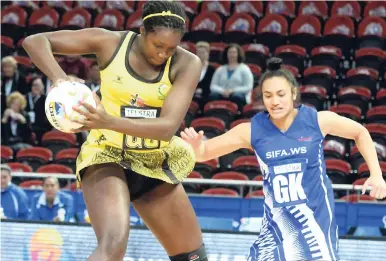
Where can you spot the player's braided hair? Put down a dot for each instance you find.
(172, 22)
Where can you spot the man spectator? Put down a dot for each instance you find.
(36, 99)
(14, 201)
(207, 71)
(52, 204)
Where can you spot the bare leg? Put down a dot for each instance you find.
(108, 203)
(168, 213)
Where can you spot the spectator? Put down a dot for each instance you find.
(121, 6)
(11, 79)
(94, 81)
(52, 204)
(207, 71)
(89, 5)
(36, 99)
(73, 64)
(15, 124)
(29, 6)
(46, 82)
(14, 201)
(234, 79)
(37, 91)
(58, 4)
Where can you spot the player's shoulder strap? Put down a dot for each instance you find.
(121, 49)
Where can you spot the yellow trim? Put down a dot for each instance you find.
(164, 13)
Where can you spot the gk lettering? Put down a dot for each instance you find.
(288, 188)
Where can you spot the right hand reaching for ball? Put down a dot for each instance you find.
(193, 138)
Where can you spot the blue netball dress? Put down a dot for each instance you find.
(299, 221)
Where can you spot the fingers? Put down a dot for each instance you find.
(184, 136)
(378, 193)
(187, 135)
(192, 133)
(85, 113)
(84, 128)
(80, 121)
(75, 79)
(96, 98)
(373, 192)
(364, 188)
(90, 108)
(383, 193)
(69, 79)
(56, 83)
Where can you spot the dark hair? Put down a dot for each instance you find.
(34, 78)
(240, 53)
(274, 69)
(172, 22)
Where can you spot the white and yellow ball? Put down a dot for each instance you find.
(59, 103)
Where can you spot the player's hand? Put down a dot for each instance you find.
(67, 78)
(378, 187)
(192, 137)
(95, 118)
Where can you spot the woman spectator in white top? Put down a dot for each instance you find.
(233, 80)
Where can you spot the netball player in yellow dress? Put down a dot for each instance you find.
(131, 153)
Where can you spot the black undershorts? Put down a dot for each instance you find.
(137, 184)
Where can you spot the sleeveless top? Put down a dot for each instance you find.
(298, 221)
(126, 94)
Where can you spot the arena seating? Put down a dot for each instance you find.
(336, 50)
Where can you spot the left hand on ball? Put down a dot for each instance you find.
(95, 118)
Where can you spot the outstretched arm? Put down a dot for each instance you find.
(236, 138)
(333, 124)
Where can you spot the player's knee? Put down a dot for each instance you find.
(114, 246)
(196, 255)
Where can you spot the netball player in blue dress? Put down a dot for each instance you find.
(299, 221)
